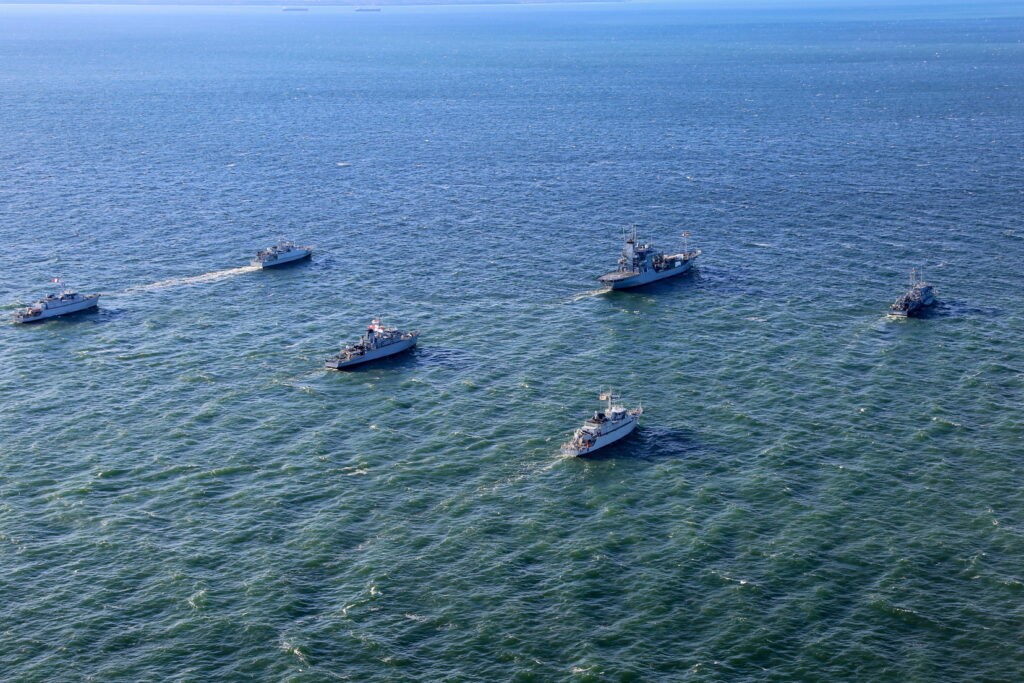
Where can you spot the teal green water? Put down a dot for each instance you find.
(815, 493)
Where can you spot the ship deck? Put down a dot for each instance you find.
(617, 275)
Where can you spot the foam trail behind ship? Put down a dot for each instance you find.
(586, 295)
(191, 280)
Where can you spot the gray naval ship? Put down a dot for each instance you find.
(280, 254)
(605, 427)
(920, 296)
(378, 342)
(64, 302)
(641, 264)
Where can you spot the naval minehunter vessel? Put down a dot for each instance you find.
(280, 254)
(920, 296)
(641, 264)
(378, 342)
(605, 427)
(52, 305)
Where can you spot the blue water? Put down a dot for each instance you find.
(815, 493)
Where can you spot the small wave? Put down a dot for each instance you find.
(388, 429)
(730, 579)
(191, 280)
(296, 651)
(198, 600)
(99, 352)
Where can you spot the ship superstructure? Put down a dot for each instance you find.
(377, 342)
(280, 254)
(63, 302)
(920, 296)
(605, 427)
(641, 264)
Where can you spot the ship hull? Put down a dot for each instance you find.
(375, 354)
(915, 310)
(48, 313)
(283, 259)
(619, 433)
(646, 277)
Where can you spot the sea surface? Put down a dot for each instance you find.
(816, 492)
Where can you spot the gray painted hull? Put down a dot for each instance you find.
(88, 304)
(283, 260)
(912, 312)
(375, 354)
(915, 309)
(645, 278)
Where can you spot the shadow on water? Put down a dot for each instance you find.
(951, 309)
(689, 280)
(92, 316)
(452, 358)
(301, 263)
(699, 278)
(731, 282)
(107, 315)
(425, 356)
(653, 443)
(961, 309)
(400, 361)
(325, 263)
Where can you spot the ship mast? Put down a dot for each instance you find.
(610, 397)
(628, 259)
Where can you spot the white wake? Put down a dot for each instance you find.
(586, 295)
(193, 280)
